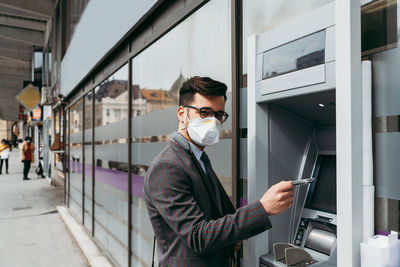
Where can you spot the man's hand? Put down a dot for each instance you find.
(237, 245)
(278, 198)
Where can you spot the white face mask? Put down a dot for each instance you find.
(204, 132)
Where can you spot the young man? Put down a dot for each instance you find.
(194, 221)
(26, 156)
(4, 154)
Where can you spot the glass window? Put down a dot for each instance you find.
(75, 159)
(380, 26)
(38, 66)
(111, 165)
(88, 159)
(199, 46)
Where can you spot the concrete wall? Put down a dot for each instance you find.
(5, 129)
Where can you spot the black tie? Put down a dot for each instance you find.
(212, 178)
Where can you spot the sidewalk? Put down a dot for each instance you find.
(31, 231)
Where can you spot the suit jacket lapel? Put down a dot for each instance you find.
(178, 138)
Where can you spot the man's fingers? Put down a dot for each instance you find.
(289, 198)
(285, 186)
(287, 194)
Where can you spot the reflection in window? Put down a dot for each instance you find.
(199, 46)
(299, 54)
(75, 158)
(76, 116)
(379, 26)
(87, 146)
(112, 94)
(146, 100)
(111, 164)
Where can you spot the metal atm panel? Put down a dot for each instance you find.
(287, 140)
(297, 58)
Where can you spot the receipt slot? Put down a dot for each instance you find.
(292, 136)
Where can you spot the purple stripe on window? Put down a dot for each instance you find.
(118, 179)
(113, 178)
(243, 202)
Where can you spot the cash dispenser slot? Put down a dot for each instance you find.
(321, 236)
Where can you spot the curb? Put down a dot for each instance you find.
(85, 243)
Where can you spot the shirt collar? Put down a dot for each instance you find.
(196, 151)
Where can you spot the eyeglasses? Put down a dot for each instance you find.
(206, 112)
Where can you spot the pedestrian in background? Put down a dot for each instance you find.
(20, 142)
(4, 154)
(26, 155)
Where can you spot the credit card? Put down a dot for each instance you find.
(303, 181)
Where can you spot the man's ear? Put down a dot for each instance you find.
(181, 114)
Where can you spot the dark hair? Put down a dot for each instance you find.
(3, 141)
(202, 85)
(27, 138)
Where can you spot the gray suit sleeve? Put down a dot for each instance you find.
(170, 191)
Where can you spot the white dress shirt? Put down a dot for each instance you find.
(197, 153)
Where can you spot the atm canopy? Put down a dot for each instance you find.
(318, 108)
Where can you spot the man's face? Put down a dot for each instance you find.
(216, 103)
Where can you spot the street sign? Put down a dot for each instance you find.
(37, 114)
(29, 97)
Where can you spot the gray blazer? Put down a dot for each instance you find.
(190, 228)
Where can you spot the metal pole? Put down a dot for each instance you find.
(348, 132)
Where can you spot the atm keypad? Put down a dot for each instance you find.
(300, 233)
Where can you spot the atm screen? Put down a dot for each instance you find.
(322, 193)
(302, 53)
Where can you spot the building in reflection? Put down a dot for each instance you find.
(76, 119)
(311, 59)
(151, 100)
(111, 99)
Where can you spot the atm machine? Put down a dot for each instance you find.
(292, 136)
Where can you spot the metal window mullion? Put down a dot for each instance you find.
(236, 74)
(93, 160)
(64, 148)
(83, 160)
(129, 160)
(68, 156)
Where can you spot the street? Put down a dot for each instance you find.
(31, 231)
